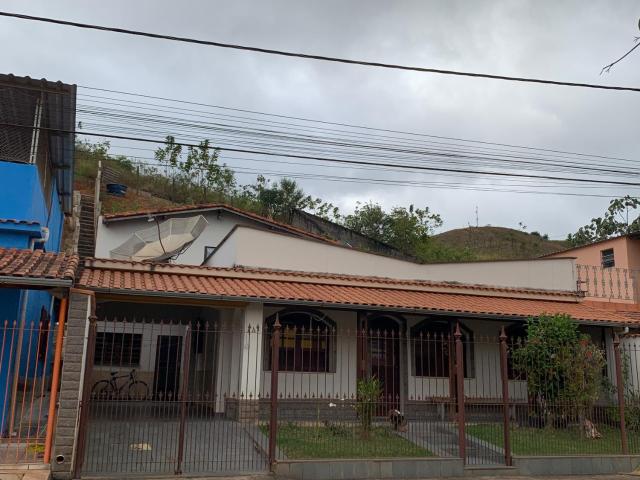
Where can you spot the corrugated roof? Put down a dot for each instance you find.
(59, 114)
(215, 206)
(17, 266)
(333, 290)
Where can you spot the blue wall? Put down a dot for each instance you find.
(22, 198)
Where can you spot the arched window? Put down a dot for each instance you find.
(307, 342)
(433, 349)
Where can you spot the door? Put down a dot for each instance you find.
(383, 345)
(166, 381)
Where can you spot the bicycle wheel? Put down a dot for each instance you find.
(102, 390)
(138, 390)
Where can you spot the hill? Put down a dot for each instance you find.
(499, 243)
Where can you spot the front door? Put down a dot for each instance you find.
(383, 352)
(166, 381)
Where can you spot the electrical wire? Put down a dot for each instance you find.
(313, 56)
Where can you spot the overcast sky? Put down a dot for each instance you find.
(569, 40)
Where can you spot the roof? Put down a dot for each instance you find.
(19, 95)
(632, 236)
(36, 267)
(113, 217)
(272, 286)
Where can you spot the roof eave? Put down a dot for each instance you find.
(316, 304)
(15, 281)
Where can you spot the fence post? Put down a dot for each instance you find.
(462, 444)
(184, 392)
(86, 397)
(504, 373)
(273, 420)
(620, 389)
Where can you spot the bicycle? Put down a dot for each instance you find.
(109, 389)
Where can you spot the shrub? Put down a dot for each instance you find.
(368, 395)
(562, 366)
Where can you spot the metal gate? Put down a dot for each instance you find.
(163, 398)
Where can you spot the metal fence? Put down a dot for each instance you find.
(197, 397)
(26, 358)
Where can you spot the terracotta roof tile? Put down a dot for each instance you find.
(216, 206)
(334, 290)
(21, 264)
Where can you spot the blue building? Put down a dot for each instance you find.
(36, 187)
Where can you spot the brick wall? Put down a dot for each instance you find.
(70, 385)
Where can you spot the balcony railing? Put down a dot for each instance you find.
(613, 284)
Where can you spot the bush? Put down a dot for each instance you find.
(368, 395)
(562, 366)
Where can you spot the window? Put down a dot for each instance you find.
(607, 259)
(118, 349)
(433, 349)
(307, 342)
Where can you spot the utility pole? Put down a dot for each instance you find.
(477, 223)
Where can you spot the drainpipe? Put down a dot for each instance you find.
(23, 314)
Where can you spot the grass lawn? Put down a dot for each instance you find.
(342, 442)
(551, 441)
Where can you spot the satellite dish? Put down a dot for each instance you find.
(161, 241)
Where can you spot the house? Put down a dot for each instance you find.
(608, 270)
(180, 371)
(115, 229)
(36, 182)
(608, 274)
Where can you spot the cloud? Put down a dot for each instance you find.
(562, 40)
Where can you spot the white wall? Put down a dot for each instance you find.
(150, 332)
(484, 381)
(113, 234)
(257, 248)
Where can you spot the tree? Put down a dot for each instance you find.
(616, 221)
(199, 168)
(281, 199)
(563, 368)
(403, 228)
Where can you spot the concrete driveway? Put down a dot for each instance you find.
(150, 446)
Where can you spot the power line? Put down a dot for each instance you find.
(291, 138)
(493, 145)
(333, 160)
(314, 57)
(375, 181)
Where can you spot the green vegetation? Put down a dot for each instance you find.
(563, 369)
(368, 395)
(551, 441)
(195, 175)
(620, 218)
(332, 441)
(498, 243)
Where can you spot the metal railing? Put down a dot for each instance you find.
(191, 397)
(26, 366)
(613, 283)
